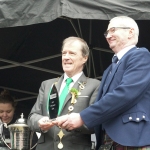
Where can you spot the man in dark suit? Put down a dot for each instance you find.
(75, 53)
(122, 106)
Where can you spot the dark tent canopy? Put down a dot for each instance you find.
(32, 31)
(27, 12)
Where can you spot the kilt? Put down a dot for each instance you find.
(109, 144)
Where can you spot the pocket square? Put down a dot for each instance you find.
(83, 96)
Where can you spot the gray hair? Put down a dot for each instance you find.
(126, 21)
(84, 46)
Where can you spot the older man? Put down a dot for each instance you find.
(123, 102)
(75, 53)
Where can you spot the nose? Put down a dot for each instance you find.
(66, 55)
(4, 114)
(108, 35)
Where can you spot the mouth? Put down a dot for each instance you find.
(67, 64)
(5, 118)
(110, 41)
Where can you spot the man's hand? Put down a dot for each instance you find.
(45, 124)
(69, 122)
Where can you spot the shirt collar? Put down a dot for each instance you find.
(74, 78)
(121, 53)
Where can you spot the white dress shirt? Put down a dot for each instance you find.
(74, 78)
(121, 53)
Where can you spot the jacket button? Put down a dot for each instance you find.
(130, 118)
(137, 119)
(143, 116)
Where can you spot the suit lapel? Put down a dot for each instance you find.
(82, 79)
(115, 69)
(106, 73)
(104, 80)
(58, 85)
(109, 78)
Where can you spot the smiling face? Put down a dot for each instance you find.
(6, 112)
(119, 39)
(72, 58)
(125, 35)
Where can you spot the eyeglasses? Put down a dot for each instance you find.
(113, 29)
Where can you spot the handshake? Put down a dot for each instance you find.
(68, 122)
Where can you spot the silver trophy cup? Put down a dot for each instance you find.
(20, 135)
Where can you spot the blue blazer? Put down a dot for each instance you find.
(122, 106)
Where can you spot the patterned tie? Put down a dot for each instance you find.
(114, 61)
(64, 94)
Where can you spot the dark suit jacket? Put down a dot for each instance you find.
(79, 139)
(123, 104)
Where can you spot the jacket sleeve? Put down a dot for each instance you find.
(36, 112)
(84, 129)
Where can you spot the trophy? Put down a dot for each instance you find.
(53, 104)
(20, 135)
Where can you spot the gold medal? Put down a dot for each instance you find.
(60, 145)
(60, 134)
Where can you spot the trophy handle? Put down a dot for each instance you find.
(1, 133)
(5, 143)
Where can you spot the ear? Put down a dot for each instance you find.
(131, 33)
(85, 59)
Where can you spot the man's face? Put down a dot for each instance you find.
(6, 112)
(119, 38)
(72, 59)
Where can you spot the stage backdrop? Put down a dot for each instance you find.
(32, 31)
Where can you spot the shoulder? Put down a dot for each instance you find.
(50, 81)
(142, 49)
(137, 55)
(143, 52)
(135, 59)
(139, 51)
(93, 81)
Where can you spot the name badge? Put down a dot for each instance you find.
(52, 96)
